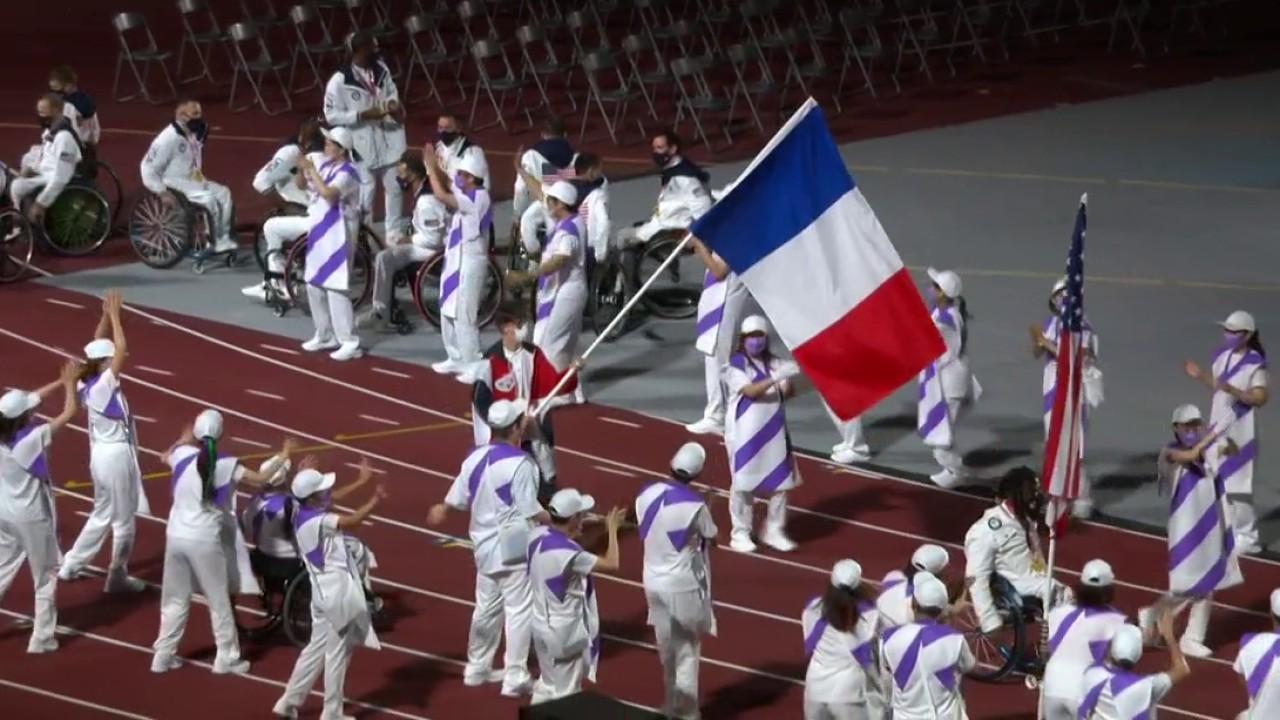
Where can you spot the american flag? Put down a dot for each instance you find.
(552, 174)
(1063, 451)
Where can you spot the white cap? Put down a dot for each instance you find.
(282, 469)
(1097, 573)
(309, 482)
(928, 591)
(1186, 414)
(754, 324)
(341, 137)
(846, 573)
(1060, 285)
(689, 459)
(208, 425)
(16, 402)
(471, 164)
(948, 281)
(930, 558)
(1239, 321)
(505, 412)
(1275, 602)
(100, 349)
(569, 502)
(1126, 644)
(565, 192)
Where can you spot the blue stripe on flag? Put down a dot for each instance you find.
(785, 193)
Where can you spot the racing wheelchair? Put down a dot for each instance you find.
(1013, 649)
(165, 228)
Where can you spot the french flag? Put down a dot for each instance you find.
(799, 233)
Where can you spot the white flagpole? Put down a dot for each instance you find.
(675, 254)
(1048, 596)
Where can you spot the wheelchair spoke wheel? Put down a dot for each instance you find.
(296, 615)
(998, 653)
(360, 272)
(426, 290)
(78, 222)
(491, 296)
(16, 246)
(359, 278)
(160, 231)
(674, 293)
(259, 236)
(610, 290)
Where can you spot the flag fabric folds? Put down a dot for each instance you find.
(1064, 448)
(798, 231)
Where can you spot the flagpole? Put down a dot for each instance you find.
(1048, 596)
(621, 316)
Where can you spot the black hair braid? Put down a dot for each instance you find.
(207, 465)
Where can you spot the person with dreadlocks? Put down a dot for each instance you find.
(1005, 541)
(204, 483)
(842, 682)
(947, 386)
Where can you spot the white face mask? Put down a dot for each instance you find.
(524, 332)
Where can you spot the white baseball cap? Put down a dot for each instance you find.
(281, 471)
(15, 403)
(309, 482)
(846, 573)
(1126, 644)
(948, 281)
(1275, 602)
(754, 324)
(340, 136)
(1097, 573)
(930, 558)
(689, 459)
(1059, 286)
(1186, 414)
(928, 591)
(100, 349)
(471, 164)
(504, 413)
(1239, 321)
(208, 425)
(565, 192)
(569, 502)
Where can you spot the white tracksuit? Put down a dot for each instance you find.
(280, 175)
(54, 162)
(430, 219)
(28, 526)
(682, 199)
(379, 143)
(174, 162)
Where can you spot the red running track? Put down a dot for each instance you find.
(411, 424)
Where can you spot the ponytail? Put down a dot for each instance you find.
(207, 464)
(963, 308)
(1255, 343)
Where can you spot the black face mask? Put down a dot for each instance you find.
(446, 137)
(661, 159)
(197, 127)
(405, 185)
(45, 121)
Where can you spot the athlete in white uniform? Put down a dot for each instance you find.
(1256, 664)
(362, 98)
(1005, 541)
(47, 167)
(452, 146)
(80, 109)
(340, 619)
(498, 486)
(1113, 691)
(684, 195)
(676, 531)
(924, 659)
(720, 307)
(1237, 378)
(894, 601)
(546, 162)
(566, 627)
(113, 456)
(204, 484)
(28, 520)
(175, 162)
(561, 279)
(843, 680)
(947, 386)
(1078, 638)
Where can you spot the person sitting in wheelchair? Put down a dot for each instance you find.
(267, 522)
(685, 194)
(547, 161)
(48, 167)
(175, 162)
(1005, 541)
(430, 219)
(80, 109)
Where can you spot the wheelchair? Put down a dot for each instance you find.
(78, 222)
(17, 243)
(1012, 650)
(164, 229)
(426, 291)
(359, 278)
(285, 599)
(674, 294)
(610, 285)
(260, 251)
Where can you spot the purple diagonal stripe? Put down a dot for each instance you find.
(1123, 680)
(708, 279)
(934, 418)
(710, 320)
(449, 285)
(753, 446)
(1262, 669)
(1064, 628)
(862, 654)
(947, 676)
(902, 674)
(1048, 398)
(678, 538)
(930, 371)
(331, 216)
(544, 309)
(39, 467)
(1187, 544)
(1234, 463)
(477, 473)
(776, 477)
(455, 237)
(559, 585)
(651, 514)
(1098, 649)
(815, 636)
(180, 468)
(1090, 700)
(504, 494)
(1187, 481)
(222, 495)
(330, 266)
(944, 317)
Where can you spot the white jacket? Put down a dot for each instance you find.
(54, 160)
(80, 109)
(280, 174)
(549, 160)
(450, 155)
(683, 198)
(594, 211)
(380, 143)
(173, 160)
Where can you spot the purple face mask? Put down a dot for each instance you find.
(755, 345)
(457, 182)
(1188, 438)
(1233, 339)
(326, 498)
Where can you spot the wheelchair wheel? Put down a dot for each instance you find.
(296, 611)
(360, 274)
(426, 292)
(610, 290)
(674, 294)
(260, 238)
(256, 627)
(78, 222)
(1000, 653)
(17, 242)
(108, 183)
(161, 232)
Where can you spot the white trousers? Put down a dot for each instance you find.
(679, 649)
(332, 314)
(850, 432)
(711, 367)
(211, 196)
(21, 187)
(191, 566)
(329, 650)
(37, 544)
(1244, 521)
(461, 333)
(741, 514)
(280, 230)
(948, 457)
(557, 335)
(503, 600)
(557, 677)
(835, 711)
(394, 220)
(386, 264)
(1059, 709)
(114, 470)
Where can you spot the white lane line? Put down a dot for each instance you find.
(144, 418)
(74, 701)
(374, 470)
(392, 373)
(614, 471)
(251, 443)
(384, 421)
(261, 393)
(616, 421)
(63, 303)
(154, 371)
(264, 346)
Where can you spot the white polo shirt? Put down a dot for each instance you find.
(1256, 663)
(498, 483)
(674, 528)
(25, 495)
(109, 420)
(192, 517)
(924, 661)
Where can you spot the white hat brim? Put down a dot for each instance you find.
(586, 503)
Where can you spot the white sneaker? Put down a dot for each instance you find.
(257, 291)
(238, 667)
(164, 663)
(281, 709)
(476, 680)
(318, 344)
(1248, 549)
(125, 585)
(1194, 648)
(41, 648)
(1082, 509)
(742, 545)
(349, 350)
(946, 479)
(446, 367)
(466, 377)
(848, 456)
(66, 574)
(225, 245)
(778, 541)
(517, 688)
(706, 426)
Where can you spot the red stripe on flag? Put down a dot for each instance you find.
(879, 345)
(1063, 452)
